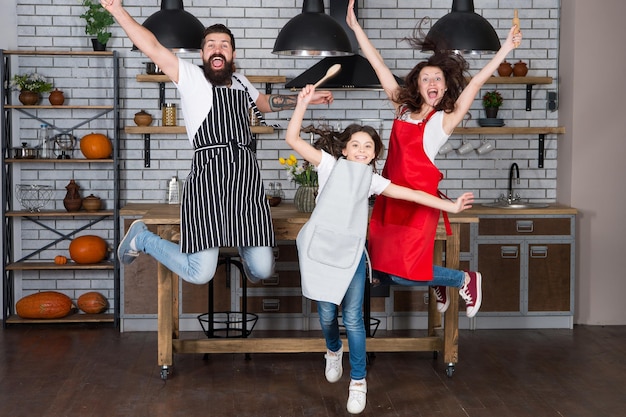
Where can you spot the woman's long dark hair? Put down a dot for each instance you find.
(453, 66)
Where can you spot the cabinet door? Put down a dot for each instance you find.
(549, 272)
(500, 268)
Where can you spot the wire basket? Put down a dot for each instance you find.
(33, 197)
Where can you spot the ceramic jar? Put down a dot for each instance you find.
(56, 97)
(92, 203)
(520, 69)
(143, 118)
(29, 98)
(505, 69)
(72, 200)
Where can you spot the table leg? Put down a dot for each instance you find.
(451, 317)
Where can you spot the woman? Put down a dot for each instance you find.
(432, 103)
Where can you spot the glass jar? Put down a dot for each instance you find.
(169, 114)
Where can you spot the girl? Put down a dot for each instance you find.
(331, 244)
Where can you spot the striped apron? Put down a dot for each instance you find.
(223, 201)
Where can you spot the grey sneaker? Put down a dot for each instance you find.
(357, 396)
(334, 367)
(125, 253)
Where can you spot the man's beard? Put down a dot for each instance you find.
(221, 76)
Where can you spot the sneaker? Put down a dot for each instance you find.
(441, 296)
(334, 368)
(125, 252)
(357, 397)
(472, 293)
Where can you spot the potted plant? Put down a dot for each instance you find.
(492, 100)
(97, 21)
(30, 87)
(305, 177)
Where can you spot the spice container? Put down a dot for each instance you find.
(169, 114)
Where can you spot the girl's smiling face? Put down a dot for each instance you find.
(432, 85)
(360, 148)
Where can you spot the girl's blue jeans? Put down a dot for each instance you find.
(445, 277)
(199, 267)
(352, 316)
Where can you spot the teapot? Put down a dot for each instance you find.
(520, 69)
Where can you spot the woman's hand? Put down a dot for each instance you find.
(464, 202)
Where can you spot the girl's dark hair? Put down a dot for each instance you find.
(453, 66)
(335, 142)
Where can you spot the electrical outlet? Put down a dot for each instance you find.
(552, 101)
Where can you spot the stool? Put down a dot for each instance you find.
(227, 258)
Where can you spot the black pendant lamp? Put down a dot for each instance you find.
(312, 33)
(463, 31)
(175, 28)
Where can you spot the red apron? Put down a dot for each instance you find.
(402, 233)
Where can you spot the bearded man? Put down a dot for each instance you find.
(223, 202)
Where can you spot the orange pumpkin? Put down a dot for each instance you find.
(88, 249)
(92, 303)
(60, 260)
(96, 146)
(44, 305)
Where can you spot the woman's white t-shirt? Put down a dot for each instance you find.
(434, 135)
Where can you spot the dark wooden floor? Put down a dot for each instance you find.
(93, 371)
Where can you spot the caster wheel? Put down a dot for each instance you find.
(450, 370)
(164, 372)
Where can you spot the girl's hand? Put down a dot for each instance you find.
(306, 95)
(464, 202)
(514, 38)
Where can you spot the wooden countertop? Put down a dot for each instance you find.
(552, 209)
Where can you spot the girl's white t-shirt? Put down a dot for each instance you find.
(196, 94)
(326, 166)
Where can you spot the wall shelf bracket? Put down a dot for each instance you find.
(529, 97)
(542, 140)
(146, 150)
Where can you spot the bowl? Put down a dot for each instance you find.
(33, 197)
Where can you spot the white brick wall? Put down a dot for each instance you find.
(55, 24)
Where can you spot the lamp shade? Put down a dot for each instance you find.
(312, 33)
(175, 28)
(462, 30)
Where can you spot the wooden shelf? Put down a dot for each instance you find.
(519, 80)
(53, 213)
(508, 130)
(20, 106)
(49, 266)
(72, 318)
(161, 78)
(61, 53)
(178, 130)
(60, 161)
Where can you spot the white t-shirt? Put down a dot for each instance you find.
(326, 166)
(196, 94)
(434, 135)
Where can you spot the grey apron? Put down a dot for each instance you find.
(330, 245)
(223, 202)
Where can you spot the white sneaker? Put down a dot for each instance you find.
(334, 368)
(357, 397)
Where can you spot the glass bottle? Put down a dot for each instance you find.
(44, 141)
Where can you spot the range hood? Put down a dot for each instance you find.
(356, 71)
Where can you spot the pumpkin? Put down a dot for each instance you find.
(92, 303)
(96, 146)
(88, 249)
(60, 260)
(44, 305)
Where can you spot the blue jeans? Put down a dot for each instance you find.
(199, 267)
(352, 316)
(445, 277)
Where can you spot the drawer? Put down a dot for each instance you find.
(557, 226)
(377, 305)
(281, 279)
(410, 301)
(275, 304)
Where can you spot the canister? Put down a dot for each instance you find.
(169, 114)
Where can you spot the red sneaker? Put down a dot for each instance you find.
(472, 293)
(441, 296)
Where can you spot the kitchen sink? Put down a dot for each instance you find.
(514, 205)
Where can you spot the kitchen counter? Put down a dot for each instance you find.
(552, 209)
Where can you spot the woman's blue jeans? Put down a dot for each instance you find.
(352, 316)
(445, 277)
(199, 267)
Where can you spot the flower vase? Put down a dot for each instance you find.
(304, 199)
(72, 200)
(29, 98)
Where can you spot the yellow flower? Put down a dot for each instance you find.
(282, 160)
(305, 175)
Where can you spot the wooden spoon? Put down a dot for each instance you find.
(330, 73)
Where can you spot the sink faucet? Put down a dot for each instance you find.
(514, 169)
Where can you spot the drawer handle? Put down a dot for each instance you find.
(271, 304)
(271, 281)
(540, 252)
(524, 226)
(509, 252)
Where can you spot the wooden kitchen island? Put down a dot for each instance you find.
(287, 222)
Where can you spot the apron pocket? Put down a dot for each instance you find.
(335, 249)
